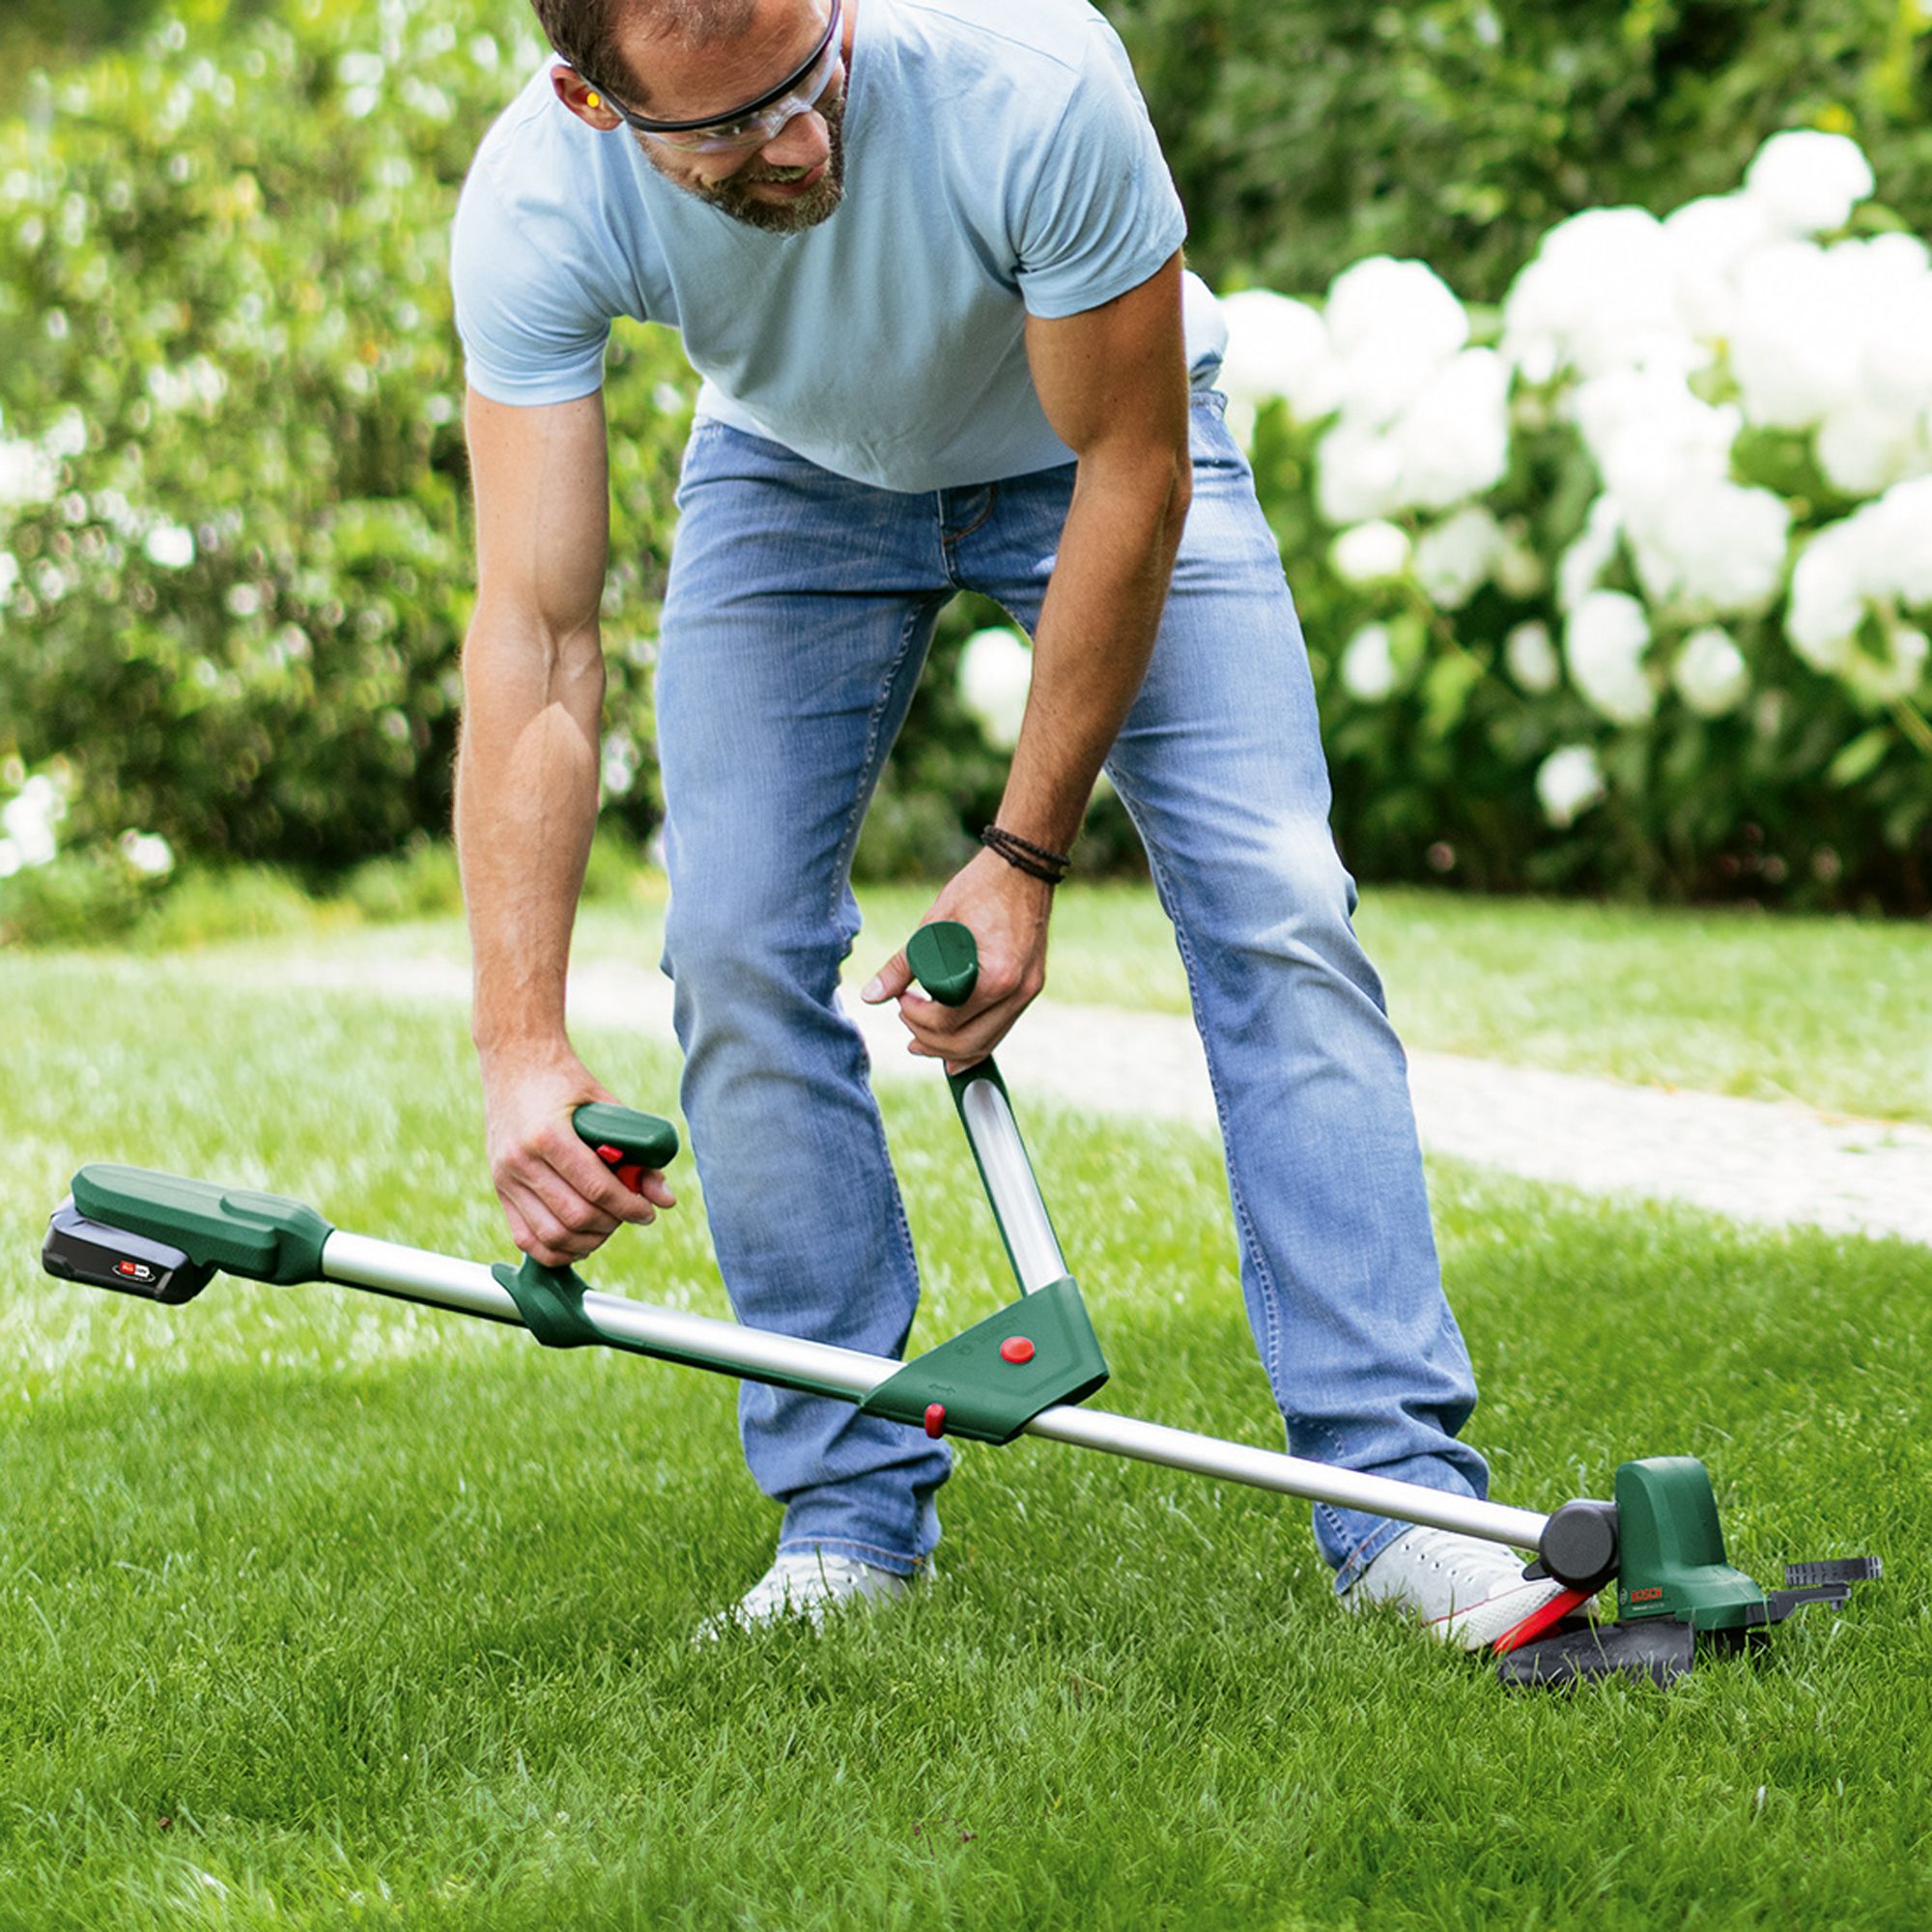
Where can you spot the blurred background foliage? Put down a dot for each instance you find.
(234, 619)
(1305, 133)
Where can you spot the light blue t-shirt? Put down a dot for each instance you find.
(999, 162)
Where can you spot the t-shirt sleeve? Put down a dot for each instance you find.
(532, 330)
(1102, 214)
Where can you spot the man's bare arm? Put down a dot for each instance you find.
(1113, 382)
(526, 806)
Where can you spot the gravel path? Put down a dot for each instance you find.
(1747, 1159)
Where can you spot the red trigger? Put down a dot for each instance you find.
(629, 1172)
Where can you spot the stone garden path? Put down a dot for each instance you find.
(1751, 1160)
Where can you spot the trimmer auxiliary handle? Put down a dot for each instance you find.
(989, 1382)
(946, 962)
(1021, 1371)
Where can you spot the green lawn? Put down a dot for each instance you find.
(1835, 1013)
(321, 1610)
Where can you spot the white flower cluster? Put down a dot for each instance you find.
(31, 819)
(1417, 424)
(29, 823)
(1421, 419)
(994, 676)
(1855, 588)
(1678, 348)
(1746, 311)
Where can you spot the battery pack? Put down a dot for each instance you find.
(77, 1249)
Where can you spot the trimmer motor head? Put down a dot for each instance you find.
(1661, 1542)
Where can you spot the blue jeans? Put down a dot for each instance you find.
(795, 627)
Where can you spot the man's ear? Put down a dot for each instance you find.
(583, 100)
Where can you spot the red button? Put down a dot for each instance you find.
(1016, 1348)
(935, 1419)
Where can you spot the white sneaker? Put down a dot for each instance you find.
(806, 1583)
(1466, 1591)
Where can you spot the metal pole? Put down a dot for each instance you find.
(1011, 1185)
(415, 1274)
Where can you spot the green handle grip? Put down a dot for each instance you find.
(945, 962)
(629, 1143)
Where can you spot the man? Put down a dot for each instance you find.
(925, 254)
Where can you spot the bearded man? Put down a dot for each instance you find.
(925, 255)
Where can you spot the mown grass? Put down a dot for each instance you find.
(1830, 1011)
(1827, 1011)
(317, 1609)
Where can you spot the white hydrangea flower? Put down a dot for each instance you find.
(29, 817)
(1896, 353)
(1451, 440)
(147, 854)
(1895, 534)
(1278, 348)
(1357, 475)
(1600, 294)
(1650, 436)
(1827, 603)
(1807, 182)
(10, 574)
(1454, 560)
(1379, 300)
(1594, 549)
(995, 676)
(1877, 560)
(1370, 553)
(27, 475)
(1604, 643)
(1707, 239)
(1863, 447)
(1568, 782)
(1801, 315)
(169, 546)
(1530, 653)
(1711, 674)
(1368, 665)
(1714, 549)
(1391, 326)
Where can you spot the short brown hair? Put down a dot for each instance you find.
(584, 32)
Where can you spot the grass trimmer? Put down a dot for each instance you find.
(1027, 1370)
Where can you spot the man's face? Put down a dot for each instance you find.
(780, 181)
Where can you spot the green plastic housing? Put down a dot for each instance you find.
(1672, 1550)
(260, 1236)
(645, 1138)
(986, 1397)
(945, 960)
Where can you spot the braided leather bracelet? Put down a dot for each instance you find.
(1037, 862)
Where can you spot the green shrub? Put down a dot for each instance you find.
(235, 565)
(227, 367)
(1306, 133)
(206, 905)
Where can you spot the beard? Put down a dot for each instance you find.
(792, 215)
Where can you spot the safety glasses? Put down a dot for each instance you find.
(755, 123)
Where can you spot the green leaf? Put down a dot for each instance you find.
(1859, 759)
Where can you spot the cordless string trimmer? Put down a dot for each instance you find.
(1026, 1369)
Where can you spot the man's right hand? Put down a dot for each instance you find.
(561, 1202)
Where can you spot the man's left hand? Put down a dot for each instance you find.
(1006, 911)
